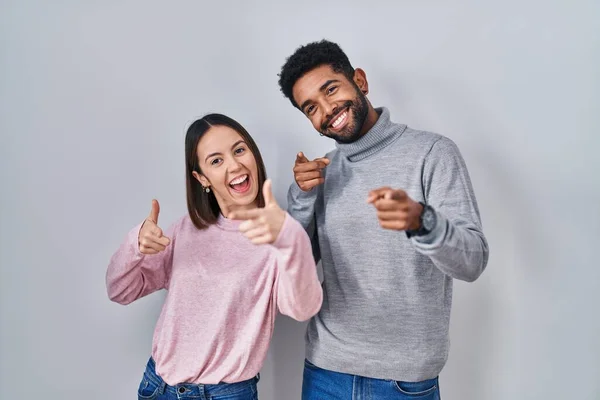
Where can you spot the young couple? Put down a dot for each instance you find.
(390, 213)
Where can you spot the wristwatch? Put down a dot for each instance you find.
(427, 219)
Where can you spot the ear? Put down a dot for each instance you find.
(360, 78)
(201, 178)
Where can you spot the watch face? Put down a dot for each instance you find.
(428, 219)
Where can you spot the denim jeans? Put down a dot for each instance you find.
(322, 384)
(152, 387)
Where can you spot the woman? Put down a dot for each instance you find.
(225, 278)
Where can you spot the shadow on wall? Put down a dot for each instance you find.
(287, 358)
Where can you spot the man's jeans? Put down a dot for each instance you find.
(322, 384)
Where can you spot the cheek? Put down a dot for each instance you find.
(349, 94)
(250, 162)
(316, 120)
(214, 176)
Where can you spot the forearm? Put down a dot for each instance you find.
(299, 293)
(301, 206)
(130, 274)
(458, 248)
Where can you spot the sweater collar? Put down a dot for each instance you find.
(228, 224)
(378, 137)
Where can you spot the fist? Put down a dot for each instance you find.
(150, 238)
(308, 174)
(395, 209)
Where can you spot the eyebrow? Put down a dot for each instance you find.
(323, 86)
(218, 154)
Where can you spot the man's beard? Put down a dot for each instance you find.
(359, 109)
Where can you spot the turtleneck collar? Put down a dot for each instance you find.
(378, 137)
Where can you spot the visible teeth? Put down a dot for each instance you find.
(238, 180)
(339, 119)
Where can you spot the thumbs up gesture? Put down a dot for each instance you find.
(150, 238)
(262, 225)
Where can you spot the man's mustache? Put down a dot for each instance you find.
(335, 111)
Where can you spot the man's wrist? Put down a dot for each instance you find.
(416, 222)
(427, 221)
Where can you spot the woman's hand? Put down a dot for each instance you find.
(262, 225)
(150, 237)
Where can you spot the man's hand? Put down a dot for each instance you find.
(308, 174)
(395, 209)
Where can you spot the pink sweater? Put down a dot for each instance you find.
(223, 295)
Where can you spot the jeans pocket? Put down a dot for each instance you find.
(246, 390)
(148, 389)
(418, 390)
(249, 393)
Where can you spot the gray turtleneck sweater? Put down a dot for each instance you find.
(387, 298)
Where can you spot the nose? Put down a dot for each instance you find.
(329, 107)
(233, 165)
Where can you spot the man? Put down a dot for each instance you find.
(393, 219)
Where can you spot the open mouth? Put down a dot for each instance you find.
(241, 184)
(340, 120)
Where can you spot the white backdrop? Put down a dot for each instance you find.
(95, 97)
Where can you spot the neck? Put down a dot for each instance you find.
(226, 209)
(379, 135)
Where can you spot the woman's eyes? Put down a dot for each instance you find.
(218, 160)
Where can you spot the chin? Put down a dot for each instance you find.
(344, 137)
(245, 201)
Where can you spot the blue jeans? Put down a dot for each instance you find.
(152, 387)
(322, 384)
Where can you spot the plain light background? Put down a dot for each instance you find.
(95, 97)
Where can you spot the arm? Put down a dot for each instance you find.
(309, 177)
(298, 293)
(456, 245)
(297, 290)
(132, 275)
(301, 206)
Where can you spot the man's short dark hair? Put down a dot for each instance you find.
(308, 57)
